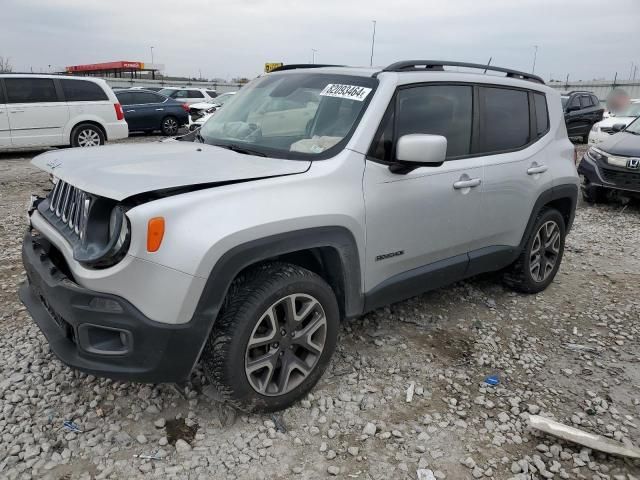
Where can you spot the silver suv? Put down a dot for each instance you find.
(315, 195)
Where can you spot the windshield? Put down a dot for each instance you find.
(221, 99)
(293, 115)
(631, 110)
(564, 99)
(634, 127)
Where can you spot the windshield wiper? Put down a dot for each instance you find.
(242, 150)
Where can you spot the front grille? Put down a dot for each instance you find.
(70, 205)
(608, 130)
(621, 178)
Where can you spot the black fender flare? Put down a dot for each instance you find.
(244, 255)
(568, 192)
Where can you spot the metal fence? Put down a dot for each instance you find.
(600, 89)
(137, 82)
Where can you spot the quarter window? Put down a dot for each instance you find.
(82, 91)
(30, 90)
(542, 114)
(504, 119)
(212, 93)
(125, 98)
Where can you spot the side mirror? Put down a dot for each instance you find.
(421, 149)
(618, 127)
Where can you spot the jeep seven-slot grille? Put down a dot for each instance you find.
(71, 206)
(622, 179)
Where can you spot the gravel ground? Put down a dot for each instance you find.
(570, 353)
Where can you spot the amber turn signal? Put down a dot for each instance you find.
(155, 232)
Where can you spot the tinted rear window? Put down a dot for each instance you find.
(542, 114)
(195, 94)
(82, 91)
(30, 90)
(504, 119)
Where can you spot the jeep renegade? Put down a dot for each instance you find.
(315, 195)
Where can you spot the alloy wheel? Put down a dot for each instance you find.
(285, 344)
(88, 138)
(170, 126)
(544, 251)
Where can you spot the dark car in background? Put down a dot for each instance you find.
(147, 111)
(582, 109)
(612, 169)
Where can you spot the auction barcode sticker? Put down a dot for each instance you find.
(350, 92)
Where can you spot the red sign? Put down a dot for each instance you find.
(121, 65)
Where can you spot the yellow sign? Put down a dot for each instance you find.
(269, 67)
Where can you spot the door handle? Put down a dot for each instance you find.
(537, 169)
(17, 111)
(129, 111)
(472, 182)
(159, 109)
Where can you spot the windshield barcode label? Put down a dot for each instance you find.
(350, 92)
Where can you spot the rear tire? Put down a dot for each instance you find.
(170, 126)
(537, 265)
(274, 337)
(87, 135)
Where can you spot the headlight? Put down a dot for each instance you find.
(118, 225)
(597, 154)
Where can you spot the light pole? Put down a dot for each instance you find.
(151, 55)
(373, 42)
(535, 54)
(313, 55)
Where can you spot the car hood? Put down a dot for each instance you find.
(120, 171)
(202, 105)
(623, 144)
(611, 121)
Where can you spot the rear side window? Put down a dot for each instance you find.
(2, 100)
(30, 90)
(212, 93)
(141, 98)
(504, 119)
(542, 114)
(195, 94)
(438, 110)
(125, 98)
(575, 102)
(595, 100)
(82, 91)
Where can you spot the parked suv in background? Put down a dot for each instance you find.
(53, 110)
(612, 169)
(149, 111)
(243, 247)
(581, 111)
(189, 95)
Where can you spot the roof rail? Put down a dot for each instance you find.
(295, 66)
(438, 66)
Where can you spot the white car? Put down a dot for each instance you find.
(201, 112)
(54, 110)
(601, 130)
(189, 95)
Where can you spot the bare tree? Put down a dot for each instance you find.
(5, 65)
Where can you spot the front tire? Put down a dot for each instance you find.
(170, 126)
(537, 265)
(273, 338)
(87, 135)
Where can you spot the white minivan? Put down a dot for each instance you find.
(55, 110)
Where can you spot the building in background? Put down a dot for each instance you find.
(119, 69)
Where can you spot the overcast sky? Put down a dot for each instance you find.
(585, 38)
